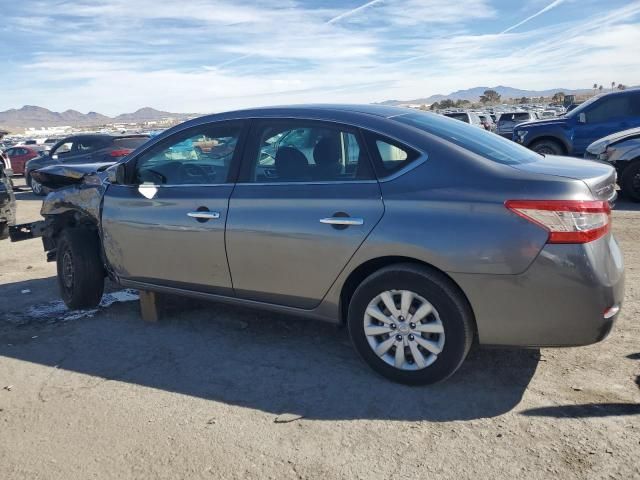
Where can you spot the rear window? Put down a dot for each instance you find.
(514, 117)
(130, 142)
(476, 140)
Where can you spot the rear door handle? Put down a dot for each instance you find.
(204, 215)
(342, 221)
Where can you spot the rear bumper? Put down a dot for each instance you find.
(559, 301)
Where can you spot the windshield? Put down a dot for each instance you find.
(476, 140)
(582, 106)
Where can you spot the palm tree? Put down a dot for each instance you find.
(613, 85)
(600, 88)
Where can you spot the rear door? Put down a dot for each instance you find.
(167, 226)
(306, 200)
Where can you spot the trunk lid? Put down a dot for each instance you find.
(600, 177)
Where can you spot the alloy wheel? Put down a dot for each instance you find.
(404, 329)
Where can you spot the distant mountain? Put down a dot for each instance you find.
(33, 116)
(473, 94)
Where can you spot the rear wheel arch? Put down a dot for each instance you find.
(368, 268)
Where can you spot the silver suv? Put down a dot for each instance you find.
(421, 233)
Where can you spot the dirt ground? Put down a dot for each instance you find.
(214, 391)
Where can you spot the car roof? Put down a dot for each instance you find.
(325, 110)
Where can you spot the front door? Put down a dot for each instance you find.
(167, 227)
(306, 200)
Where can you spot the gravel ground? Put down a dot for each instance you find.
(219, 392)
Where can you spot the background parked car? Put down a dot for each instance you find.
(84, 149)
(487, 122)
(7, 203)
(622, 150)
(596, 118)
(467, 117)
(509, 120)
(20, 155)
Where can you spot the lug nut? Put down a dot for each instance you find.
(412, 325)
(393, 326)
(399, 338)
(411, 337)
(401, 318)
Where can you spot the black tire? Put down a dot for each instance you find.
(454, 313)
(40, 190)
(80, 270)
(547, 147)
(630, 181)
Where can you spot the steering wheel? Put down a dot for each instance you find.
(192, 173)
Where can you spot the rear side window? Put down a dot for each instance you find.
(488, 145)
(306, 151)
(130, 142)
(389, 156)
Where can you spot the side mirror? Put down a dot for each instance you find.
(582, 118)
(117, 174)
(8, 172)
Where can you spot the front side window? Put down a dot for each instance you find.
(63, 149)
(87, 145)
(201, 155)
(300, 151)
(609, 109)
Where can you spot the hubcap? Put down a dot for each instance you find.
(35, 186)
(404, 329)
(67, 270)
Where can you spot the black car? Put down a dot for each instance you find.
(94, 148)
(622, 151)
(7, 203)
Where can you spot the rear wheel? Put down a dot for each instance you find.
(547, 147)
(630, 181)
(410, 324)
(80, 270)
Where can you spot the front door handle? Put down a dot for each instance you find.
(346, 221)
(204, 215)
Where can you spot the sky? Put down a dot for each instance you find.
(200, 56)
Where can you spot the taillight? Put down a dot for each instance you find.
(121, 153)
(567, 221)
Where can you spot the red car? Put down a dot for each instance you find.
(19, 156)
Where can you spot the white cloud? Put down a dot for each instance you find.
(205, 55)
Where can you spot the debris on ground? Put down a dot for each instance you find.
(287, 418)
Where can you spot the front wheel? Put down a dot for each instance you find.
(630, 181)
(410, 324)
(36, 187)
(547, 147)
(80, 270)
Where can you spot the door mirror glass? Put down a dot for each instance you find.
(117, 174)
(582, 118)
(8, 172)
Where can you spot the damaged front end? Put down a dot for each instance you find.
(74, 202)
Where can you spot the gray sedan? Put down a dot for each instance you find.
(420, 233)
